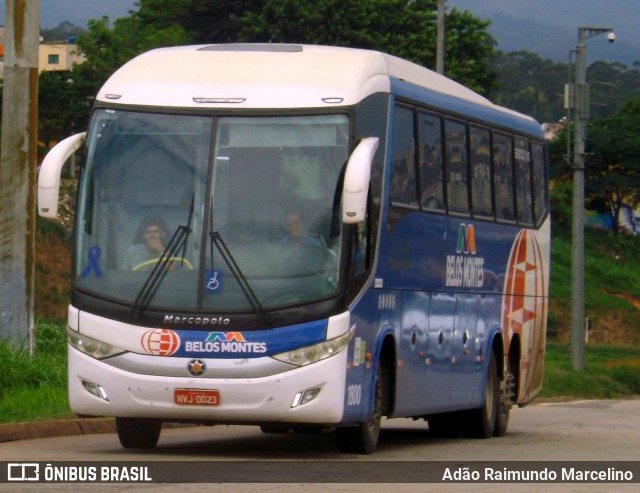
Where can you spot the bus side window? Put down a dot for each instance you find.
(430, 154)
(503, 177)
(360, 248)
(523, 181)
(403, 171)
(457, 171)
(540, 183)
(480, 172)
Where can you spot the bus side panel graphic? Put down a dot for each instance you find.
(524, 311)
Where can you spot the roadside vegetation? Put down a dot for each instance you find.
(611, 372)
(612, 287)
(35, 388)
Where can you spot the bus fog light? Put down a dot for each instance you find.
(302, 398)
(309, 395)
(296, 400)
(95, 389)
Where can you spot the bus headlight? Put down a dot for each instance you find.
(311, 354)
(92, 347)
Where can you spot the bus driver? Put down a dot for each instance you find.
(148, 243)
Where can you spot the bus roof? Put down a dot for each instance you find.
(268, 76)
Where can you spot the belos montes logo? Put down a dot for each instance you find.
(160, 342)
(465, 269)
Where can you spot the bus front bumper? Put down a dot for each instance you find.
(98, 389)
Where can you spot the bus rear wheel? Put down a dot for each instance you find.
(507, 388)
(363, 438)
(139, 433)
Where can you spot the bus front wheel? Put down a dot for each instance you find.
(138, 433)
(363, 438)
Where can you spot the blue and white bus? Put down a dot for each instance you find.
(303, 238)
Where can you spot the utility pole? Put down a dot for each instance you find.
(18, 172)
(440, 39)
(580, 99)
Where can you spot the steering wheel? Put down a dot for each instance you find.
(152, 261)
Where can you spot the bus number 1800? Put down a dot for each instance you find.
(354, 395)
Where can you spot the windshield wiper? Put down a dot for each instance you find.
(160, 269)
(227, 256)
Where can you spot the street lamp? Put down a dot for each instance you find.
(579, 101)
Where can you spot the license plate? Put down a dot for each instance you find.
(193, 397)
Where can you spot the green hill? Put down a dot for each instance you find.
(612, 287)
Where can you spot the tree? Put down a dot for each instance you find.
(401, 28)
(205, 21)
(611, 85)
(614, 166)
(534, 86)
(469, 50)
(560, 170)
(60, 116)
(531, 85)
(106, 48)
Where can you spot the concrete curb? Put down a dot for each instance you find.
(11, 432)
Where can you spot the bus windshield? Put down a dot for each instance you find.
(190, 211)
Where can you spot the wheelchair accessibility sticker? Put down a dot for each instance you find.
(212, 281)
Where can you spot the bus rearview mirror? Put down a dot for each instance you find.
(356, 181)
(50, 170)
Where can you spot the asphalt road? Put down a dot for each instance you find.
(604, 431)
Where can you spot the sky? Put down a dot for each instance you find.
(78, 12)
(550, 27)
(624, 15)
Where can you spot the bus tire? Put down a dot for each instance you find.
(481, 422)
(504, 407)
(363, 438)
(138, 433)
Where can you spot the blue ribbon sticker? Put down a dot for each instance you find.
(93, 256)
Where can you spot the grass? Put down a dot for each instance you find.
(33, 389)
(610, 372)
(612, 285)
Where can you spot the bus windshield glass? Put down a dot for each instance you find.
(187, 211)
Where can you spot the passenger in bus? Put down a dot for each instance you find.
(403, 189)
(296, 234)
(149, 243)
(431, 195)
